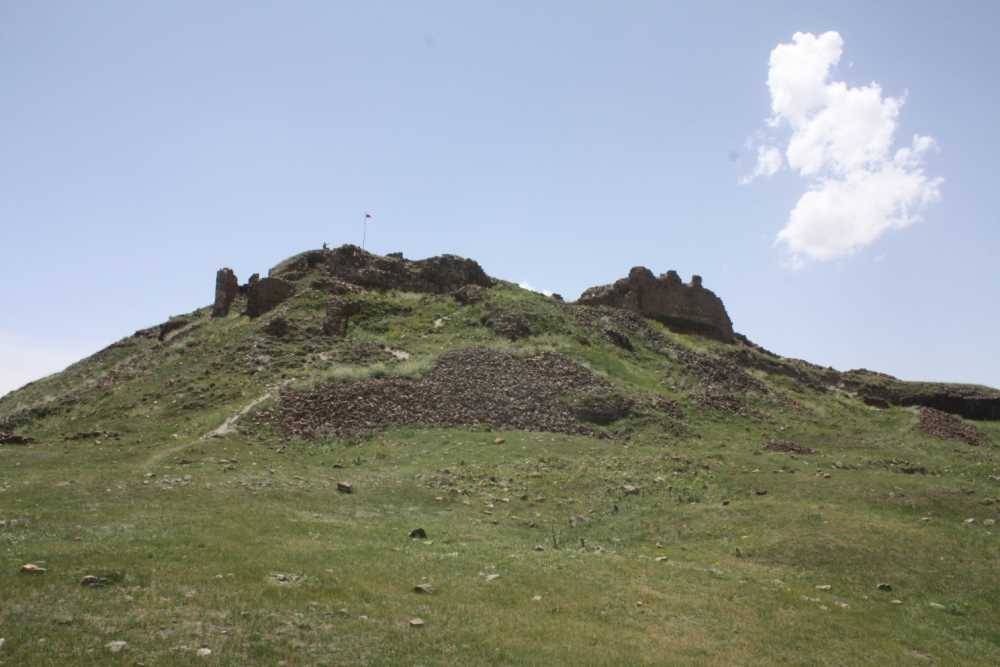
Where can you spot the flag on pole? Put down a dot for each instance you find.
(364, 233)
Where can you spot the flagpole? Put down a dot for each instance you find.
(364, 234)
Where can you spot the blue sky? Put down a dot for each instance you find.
(145, 145)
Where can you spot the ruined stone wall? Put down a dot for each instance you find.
(265, 294)
(437, 275)
(227, 288)
(687, 308)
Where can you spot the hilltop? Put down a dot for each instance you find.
(617, 480)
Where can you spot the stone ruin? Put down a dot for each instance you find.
(262, 295)
(349, 263)
(687, 308)
(227, 288)
(342, 271)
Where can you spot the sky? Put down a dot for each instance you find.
(828, 168)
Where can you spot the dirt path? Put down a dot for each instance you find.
(224, 429)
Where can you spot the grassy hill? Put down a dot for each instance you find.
(594, 489)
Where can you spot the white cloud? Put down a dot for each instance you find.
(524, 285)
(842, 141)
(769, 163)
(23, 360)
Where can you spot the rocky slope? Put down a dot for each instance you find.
(410, 462)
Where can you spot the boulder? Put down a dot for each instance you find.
(688, 308)
(266, 294)
(227, 288)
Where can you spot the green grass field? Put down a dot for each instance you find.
(652, 546)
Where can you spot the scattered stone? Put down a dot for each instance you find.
(760, 492)
(539, 547)
(619, 339)
(788, 446)
(277, 327)
(203, 652)
(510, 325)
(31, 568)
(400, 355)
(630, 490)
(602, 406)
(895, 601)
(117, 646)
(536, 598)
(885, 587)
(948, 427)
(417, 623)
(989, 522)
(345, 487)
(93, 581)
(498, 441)
(661, 559)
(418, 534)
(467, 386)
(423, 588)
(824, 587)
(492, 577)
(969, 521)
(936, 605)
(7, 438)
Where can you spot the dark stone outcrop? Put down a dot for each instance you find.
(171, 326)
(437, 275)
(468, 294)
(227, 288)
(277, 327)
(7, 438)
(338, 312)
(266, 294)
(969, 401)
(619, 339)
(685, 308)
